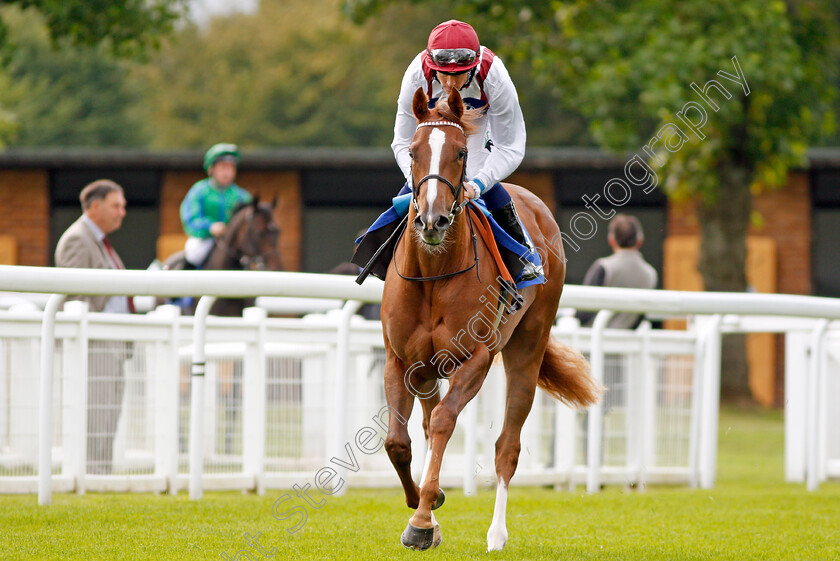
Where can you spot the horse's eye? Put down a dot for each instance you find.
(411, 154)
(462, 153)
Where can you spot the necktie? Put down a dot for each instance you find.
(118, 264)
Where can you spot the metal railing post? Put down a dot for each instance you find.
(594, 437)
(74, 402)
(45, 414)
(202, 310)
(815, 444)
(646, 454)
(166, 385)
(709, 403)
(342, 357)
(706, 327)
(254, 393)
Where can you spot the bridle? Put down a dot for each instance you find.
(249, 260)
(453, 211)
(456, 208)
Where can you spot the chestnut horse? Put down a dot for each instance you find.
(434, 297)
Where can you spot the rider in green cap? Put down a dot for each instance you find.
(210, 203)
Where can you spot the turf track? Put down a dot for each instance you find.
(751, 514)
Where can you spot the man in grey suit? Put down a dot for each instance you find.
(625, 268)
(85, 244)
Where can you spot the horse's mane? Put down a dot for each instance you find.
(238, 217)
(239, 206)
(260, 208)
(466, 120)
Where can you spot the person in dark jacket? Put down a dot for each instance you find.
(625, 268)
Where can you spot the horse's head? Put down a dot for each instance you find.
(252, 237)
(438, 163)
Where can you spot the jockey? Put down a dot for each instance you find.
(454, 58)
(210, 203)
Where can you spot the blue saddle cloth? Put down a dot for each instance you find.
(383, 226)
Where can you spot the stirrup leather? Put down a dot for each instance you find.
(516, 299)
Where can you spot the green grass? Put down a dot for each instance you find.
(751, 514)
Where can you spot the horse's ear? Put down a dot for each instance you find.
(420, 105)
(456, 104)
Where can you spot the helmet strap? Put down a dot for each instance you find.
(470, 78)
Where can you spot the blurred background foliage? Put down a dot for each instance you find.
(327, 73)
(300, 72)
(294, 73)
(68, 96)
(61, 82)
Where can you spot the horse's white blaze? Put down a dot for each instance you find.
(436, 141)
(497, 534)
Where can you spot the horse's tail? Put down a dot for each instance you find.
(564, 373)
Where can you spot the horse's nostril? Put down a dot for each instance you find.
(418, 223)
(442, 223)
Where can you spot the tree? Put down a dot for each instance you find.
(60, 81)
(631, 66)
(297, 73)
(294, 73)
(70, 97)
(127, 28)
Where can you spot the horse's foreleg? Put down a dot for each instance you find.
(464, 385)
(522, 367)
(398, 443)
(429, 403)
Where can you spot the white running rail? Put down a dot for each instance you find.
(738, 312)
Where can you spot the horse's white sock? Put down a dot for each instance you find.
(497, 534)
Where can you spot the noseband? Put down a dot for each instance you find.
(456, 208)
(248, 256)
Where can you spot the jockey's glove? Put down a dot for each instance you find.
(472, 189)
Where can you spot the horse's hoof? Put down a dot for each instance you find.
(496, 538)
(439, 502)
(421, 539)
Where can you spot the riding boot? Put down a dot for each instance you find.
(508, 219)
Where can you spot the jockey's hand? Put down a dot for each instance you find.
(217, 229)
(472, 190)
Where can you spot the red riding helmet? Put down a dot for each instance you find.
(453, 47)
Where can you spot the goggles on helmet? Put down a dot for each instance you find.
(446, 57)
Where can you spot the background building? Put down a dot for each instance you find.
(326, 195)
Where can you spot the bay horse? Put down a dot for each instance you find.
(250, 242)
(433, 298)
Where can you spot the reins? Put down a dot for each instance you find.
(445, 275)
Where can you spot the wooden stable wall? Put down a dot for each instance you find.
(681, 255)
(25, 198)
(285, 185)
(786, 218)
(539, 183)
(8, 250)
(25, 201)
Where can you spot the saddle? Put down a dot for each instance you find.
(375, 249)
